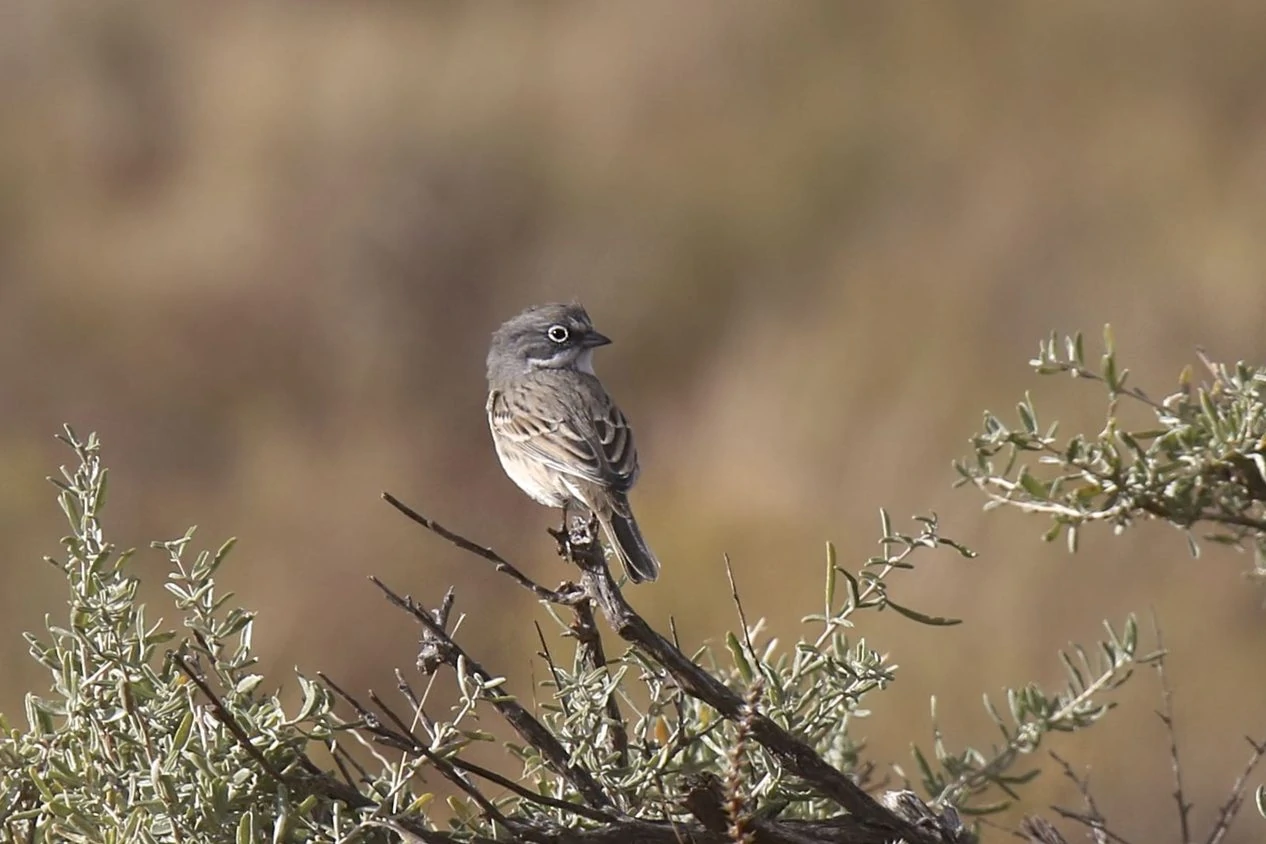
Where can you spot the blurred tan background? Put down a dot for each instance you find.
(260, 249)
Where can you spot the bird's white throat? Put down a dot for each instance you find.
(566, 359)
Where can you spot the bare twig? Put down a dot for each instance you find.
(419, 745)
(416, 745)
(430, 656)
(1100, 833)
(527, 794)
(448, 768)
(405, 740)
(501, 564)
(1092, 818)
(1166, 714)
(524, 723)
(738, 606)
(341, 759)
(416, 704)
(553, 670)
(1038, 831)
(337, 753)
(1228, 810)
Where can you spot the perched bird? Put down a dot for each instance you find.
(557, 432)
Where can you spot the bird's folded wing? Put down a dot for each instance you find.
(596, 446)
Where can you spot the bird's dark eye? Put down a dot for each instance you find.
(558, 333)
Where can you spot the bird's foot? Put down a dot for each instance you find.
(583, 531)
(577, 533)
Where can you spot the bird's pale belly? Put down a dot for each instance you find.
(541, 484)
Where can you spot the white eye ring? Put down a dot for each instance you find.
(558, 333)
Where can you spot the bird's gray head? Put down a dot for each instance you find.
(551, 336)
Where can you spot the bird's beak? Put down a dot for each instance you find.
(593, 340)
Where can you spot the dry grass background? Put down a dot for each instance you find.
(260, 248)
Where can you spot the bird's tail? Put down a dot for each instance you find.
(627, 543)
